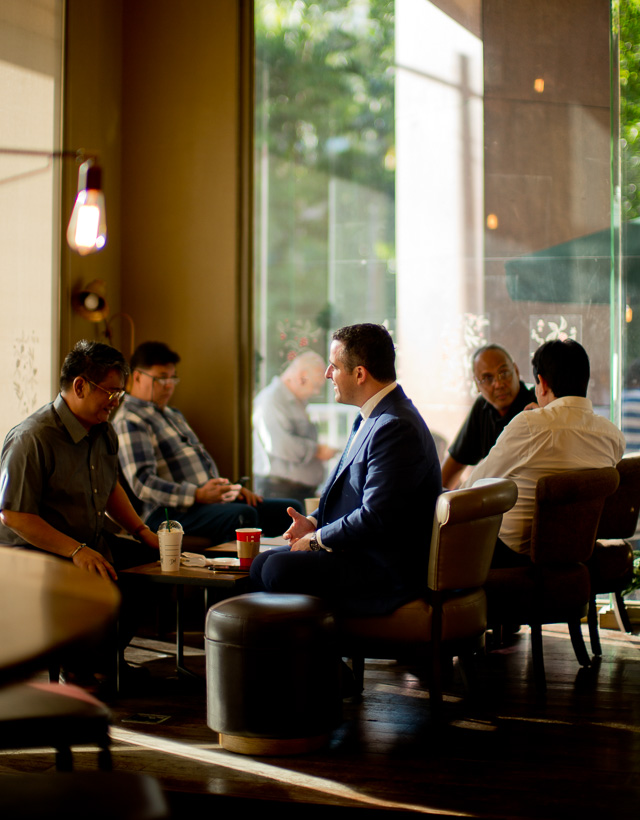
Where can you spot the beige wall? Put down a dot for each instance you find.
(157, 93)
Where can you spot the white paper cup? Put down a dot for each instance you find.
(170, 549)
(248, 543)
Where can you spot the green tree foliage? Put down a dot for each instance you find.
(629, 47)
(325, 169)
(626, 24)
(324, 73)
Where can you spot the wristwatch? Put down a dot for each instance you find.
(313, 543)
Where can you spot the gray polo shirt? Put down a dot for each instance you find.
(52, 467)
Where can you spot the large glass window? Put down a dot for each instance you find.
(445, 168)
(325, 171)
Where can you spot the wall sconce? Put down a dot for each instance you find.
(90, 301)
(87, 231)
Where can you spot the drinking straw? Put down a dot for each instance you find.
(166, 512)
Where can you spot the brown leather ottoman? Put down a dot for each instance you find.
(273, 673)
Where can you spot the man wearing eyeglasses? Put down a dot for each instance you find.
(502, 396)
(59, 470)
(58, 483)
(562, 433)
(167, 467)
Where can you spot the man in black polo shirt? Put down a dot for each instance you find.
(502, 397)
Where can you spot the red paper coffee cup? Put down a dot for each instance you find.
(248, 543)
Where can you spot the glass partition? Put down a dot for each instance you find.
(625, 97)
(446, 168)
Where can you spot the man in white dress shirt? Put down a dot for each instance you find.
(562, 433)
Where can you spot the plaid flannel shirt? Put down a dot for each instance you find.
(161, 457)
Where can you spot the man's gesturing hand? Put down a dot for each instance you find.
(300, 527)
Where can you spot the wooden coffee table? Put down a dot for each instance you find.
(225, 583)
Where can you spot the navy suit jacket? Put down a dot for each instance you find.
(376, 513)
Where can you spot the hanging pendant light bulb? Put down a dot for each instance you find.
(87, 231)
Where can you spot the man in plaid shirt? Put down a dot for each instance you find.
(167, 467)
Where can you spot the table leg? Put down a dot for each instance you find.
(119, 657)
(181, 669)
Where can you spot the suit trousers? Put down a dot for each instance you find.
(304, 572)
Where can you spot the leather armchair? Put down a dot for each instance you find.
(451, 619)
(611, 565)
(555, 588)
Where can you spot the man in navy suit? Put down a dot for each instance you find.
(367, 545)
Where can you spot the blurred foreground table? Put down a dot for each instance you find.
(47, 605)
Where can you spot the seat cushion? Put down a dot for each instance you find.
(263, 619)
(463, 616)
(49, 714)
(539, 594)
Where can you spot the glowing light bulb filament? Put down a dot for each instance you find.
(88, 224)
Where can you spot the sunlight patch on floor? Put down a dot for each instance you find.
(249, 765)
(475, 725)
(394, 689)
(533, 720)
(625, 727)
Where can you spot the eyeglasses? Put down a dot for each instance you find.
(500, 377)
(114, 395)
(162, 380)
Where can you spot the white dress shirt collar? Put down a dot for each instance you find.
(368, 407)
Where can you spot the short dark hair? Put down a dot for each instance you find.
(149, 353)
(94, 360)
(370, 346)
(564, 365)
(486, 348)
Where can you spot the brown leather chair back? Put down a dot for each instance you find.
(567, 511)
(465, 528)
(619, 517)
